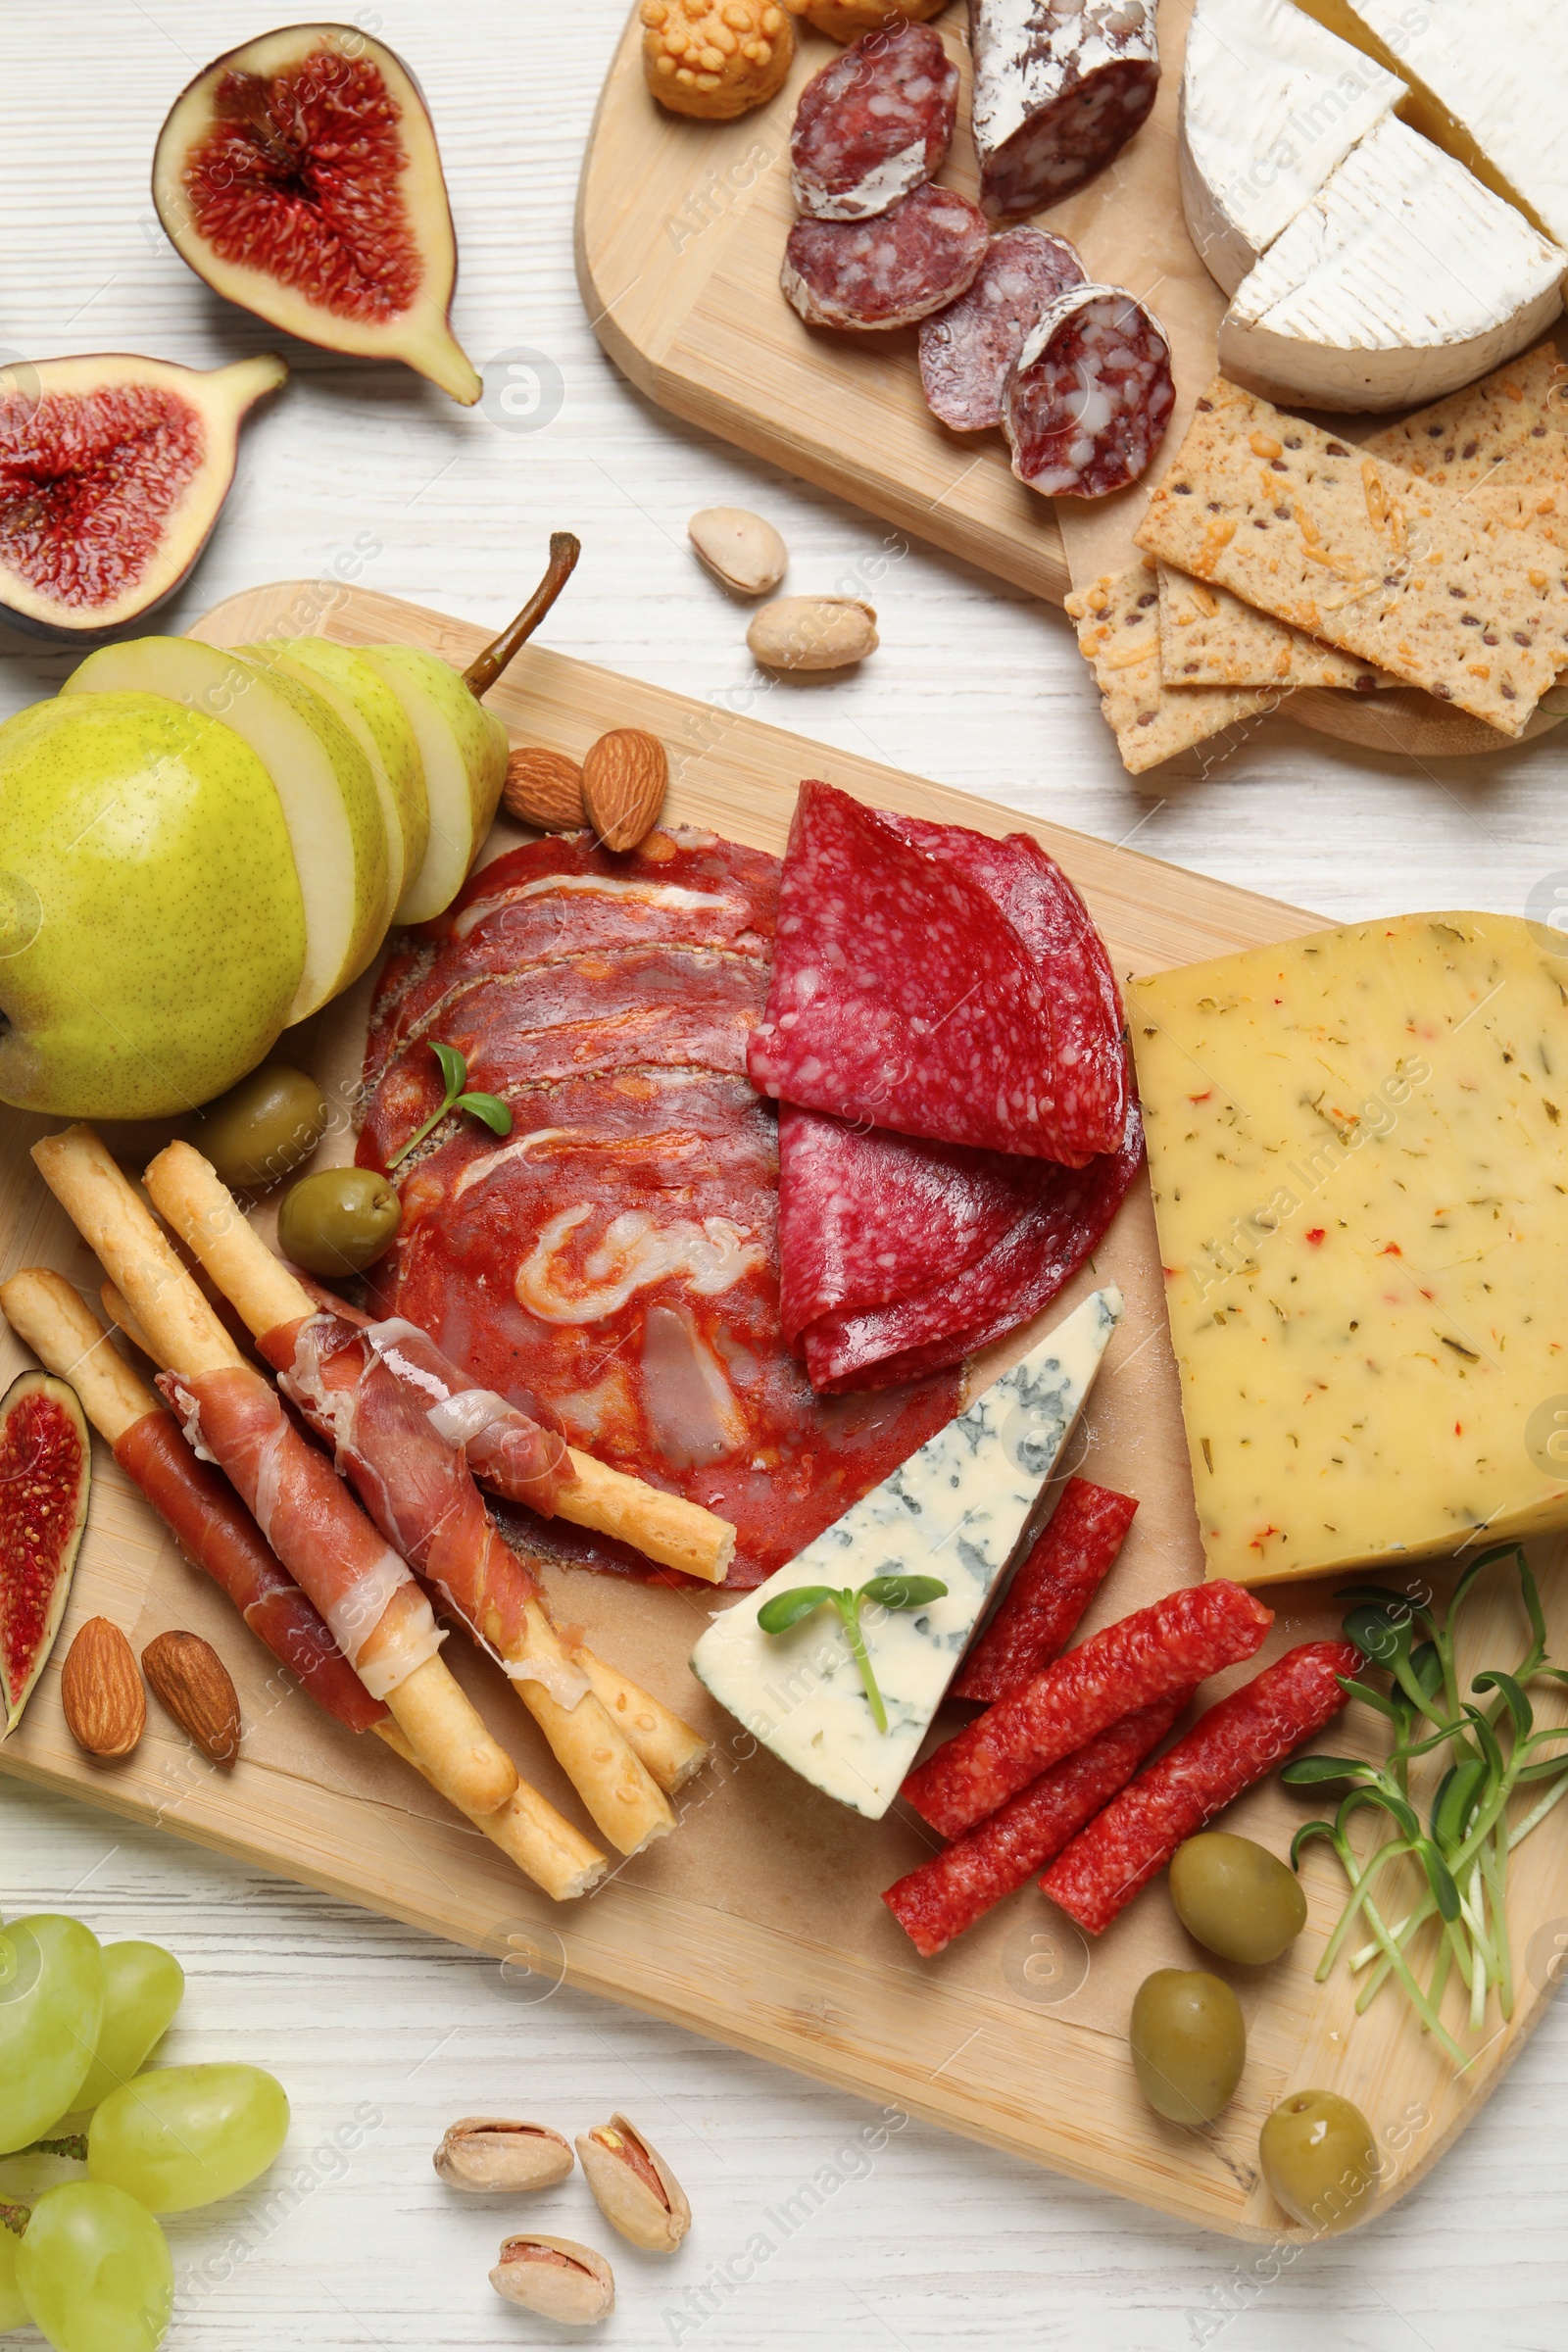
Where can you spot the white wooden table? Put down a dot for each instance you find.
(928, 2242)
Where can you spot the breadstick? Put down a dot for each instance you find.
(398, 1658)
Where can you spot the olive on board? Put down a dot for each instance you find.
(338, 1221)
(1189, 2043)
(1236, 1898)
(264, 1127)
(1321, 2160)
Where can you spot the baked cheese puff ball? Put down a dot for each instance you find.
(846, 20)
(715, 58)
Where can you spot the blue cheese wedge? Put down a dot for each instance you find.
(954, 1511)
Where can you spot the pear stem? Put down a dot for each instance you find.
(482, 673)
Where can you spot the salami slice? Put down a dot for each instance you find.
(959, 1886)
(969, 351)
(1094, 1069)
(901, 996)
(1060, 88)
(1068, 1212)
(1230, 1748)
(1176, 1642)
(891, 272)
(1049, 1591)
(874, 125)
(1088, 404)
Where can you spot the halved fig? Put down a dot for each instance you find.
(45, 1474)
(300, 176)
(113, 471)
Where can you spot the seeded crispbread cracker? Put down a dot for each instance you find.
(1514, 419)
(1209, 638)
(1364, 555)
(1118, 635)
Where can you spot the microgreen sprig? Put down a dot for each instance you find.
(786, 1609)
(455, 1071)
(1462, 1851)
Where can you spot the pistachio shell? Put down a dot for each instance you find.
(813, 632)
(488, 2154)
(615, 2161)
(556, 2277)
(742, 550)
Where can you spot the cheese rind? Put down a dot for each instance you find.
(1271, 104)
(1358, 1148)
(1486, 83)
(954, 1511)
(1403, 280)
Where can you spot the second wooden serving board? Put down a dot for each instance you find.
(758, 1922)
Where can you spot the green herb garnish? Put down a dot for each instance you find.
(776, 1616)
(455, 1070)
(1462, 1852)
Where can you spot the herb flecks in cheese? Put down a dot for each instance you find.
(1360, 1184)
(956, 1511)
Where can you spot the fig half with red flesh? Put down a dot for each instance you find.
(300, 176)
(113, 471)
(45, 1474)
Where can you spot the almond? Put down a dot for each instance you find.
(624, 780)
(544, 789)
(194, 1685)
(100, 1689)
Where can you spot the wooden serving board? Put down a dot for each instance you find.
(758, 1922)
(681, 228)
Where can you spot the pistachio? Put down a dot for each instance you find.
(490, 2155)
(556, 2277)
(742, 550)
(813, 632)
(635, 2188)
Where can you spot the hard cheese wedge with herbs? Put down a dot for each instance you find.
(956, 1511)
(1359, 1146)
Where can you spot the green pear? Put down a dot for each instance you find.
(463, 746)
(323, 780)
(152, 928)
(378, 724)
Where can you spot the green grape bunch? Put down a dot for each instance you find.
(87, 2262)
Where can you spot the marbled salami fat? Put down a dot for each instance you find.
(874, 125)
(891, 272)
(1092, 1079)
(1064, 1214)
(1227, 1749)
(1171, 1645)
(1060, 88)
(900, 994)
(1088, 404)
(969, 351)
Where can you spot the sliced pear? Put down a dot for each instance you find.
(299, 175)
(463, 748)
(322, 778)
(379, 726)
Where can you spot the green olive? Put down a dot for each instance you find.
(1321, 2160)
(1237, 1898)
(1189, 2043)
(338, 1220)
(264, 1127)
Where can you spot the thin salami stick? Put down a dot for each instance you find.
(1176, 1642)
(954, 1888)
(1230, 1748)
(1051, 1592)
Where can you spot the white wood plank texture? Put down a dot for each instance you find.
(382, 2037)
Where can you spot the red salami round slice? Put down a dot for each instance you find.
(1088, 404)
(969, 351)
(891, 272)
(874, 125)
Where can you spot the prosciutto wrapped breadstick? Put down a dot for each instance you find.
(216, 1532)
(375, 1409)
(380, 1616)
